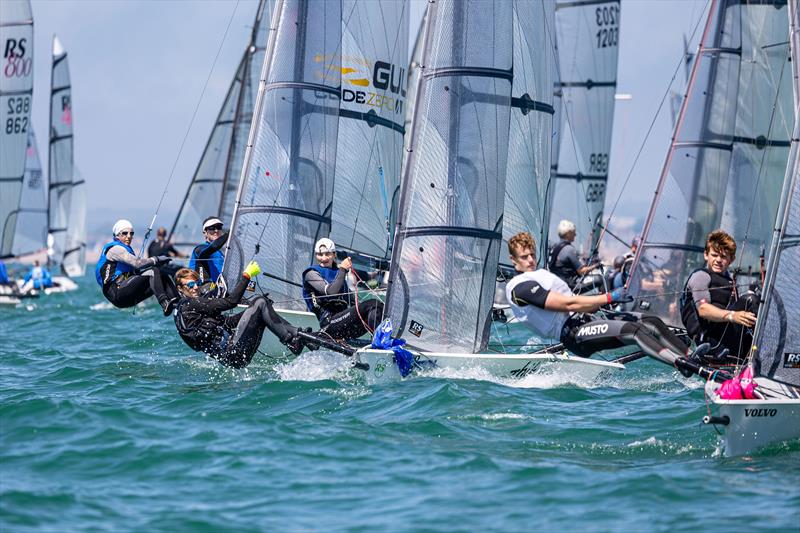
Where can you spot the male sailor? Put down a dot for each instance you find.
(4, 279)
(233, 339)
(127, 280)
(563, 260)
(161, 246)
(711, 309)
(545, 303)
(38, 278)
(328, 297)
(207, 258)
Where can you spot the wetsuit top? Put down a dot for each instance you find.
(117, 260)
(4, 274)
(207, 258)
(706, 286)
(527, 294)
(321, 285)
(41, 277)
(200, 321)
(564, 263)
(161, 247)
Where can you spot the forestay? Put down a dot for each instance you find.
(16, 89)
(374, 64)
(286, 190)
(726, 164)
(529, 142)
(587, 33)
(449, 230)
(212, 191)
(777, 337)
(60, 171)
(31, 233)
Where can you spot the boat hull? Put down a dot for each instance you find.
(301, 319)
(60, 284)
(502, 366)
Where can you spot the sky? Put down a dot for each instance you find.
(139, 66)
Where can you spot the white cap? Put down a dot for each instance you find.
(564, 227)
(121, 225)
(324, 245)
(211, 222)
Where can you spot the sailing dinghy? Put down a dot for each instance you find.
(449, 230)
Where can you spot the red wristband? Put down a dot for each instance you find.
(608, 295)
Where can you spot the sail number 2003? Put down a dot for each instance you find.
(607, 20)
(18, 109)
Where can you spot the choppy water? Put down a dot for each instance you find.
(108, 422)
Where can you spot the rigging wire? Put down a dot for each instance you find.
(188, 129)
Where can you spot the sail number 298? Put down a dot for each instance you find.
(607, 20)
(18, 110)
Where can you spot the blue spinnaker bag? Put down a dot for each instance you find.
(382, 340)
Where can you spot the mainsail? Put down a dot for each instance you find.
(61, 154)
(31, 234)
(449, 229)
(374, 64)
(16, 89)
(587, 33)
(74, 263)
(286, 190)
(777, 338)
(726, 163)
(212, 191)
(529, 149)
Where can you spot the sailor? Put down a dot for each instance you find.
(127, 280)
(545, 303)
(207, 258)
(38, 278)
(711, 308)
(328, 297)
(563, 260)
(616, 278)
(4, 279)
(161, 246)
(233, 339)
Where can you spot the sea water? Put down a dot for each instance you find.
(109, 422)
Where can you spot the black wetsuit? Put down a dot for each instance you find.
(231, 339)
(583, 335)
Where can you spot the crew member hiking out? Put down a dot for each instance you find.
(563, 260)
(233, 339)
(127, 280)
(545, 303)
(327, 296)
(207, 258)
(712, 310)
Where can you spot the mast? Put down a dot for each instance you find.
(16, 90)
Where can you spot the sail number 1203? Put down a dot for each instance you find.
(607, 20)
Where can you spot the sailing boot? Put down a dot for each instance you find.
(168, 304)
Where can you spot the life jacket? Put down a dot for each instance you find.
(565, 272)
(202, 333)
(722, 292)
(107, 271)
(324, 307)
(209, 268)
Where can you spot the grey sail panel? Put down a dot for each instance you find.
(31, 217)
(212, 191)
(370, 144)
(16, 90)
(777, 336)
(284, 201)
(449, 233)
(74, 263)
(529, 143)
(726, 164)
(588, 49)
(61, 162)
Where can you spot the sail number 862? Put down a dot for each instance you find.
(18, 109)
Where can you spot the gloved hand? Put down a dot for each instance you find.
(161, 260)
(252, 270)
(619, 296)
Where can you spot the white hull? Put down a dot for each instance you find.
(7, 296)
(301, 319)
(756, 423)
(504, 366)
(61, 284)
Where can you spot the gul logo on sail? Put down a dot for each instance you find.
(374, 84)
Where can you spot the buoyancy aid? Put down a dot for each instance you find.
(723, 294)
(106, 270)
(329, 304)
(209, 268)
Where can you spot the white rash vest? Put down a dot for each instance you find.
(545, 323)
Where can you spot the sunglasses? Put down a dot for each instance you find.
(125, 233)
(215, 227)
(192, 284)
